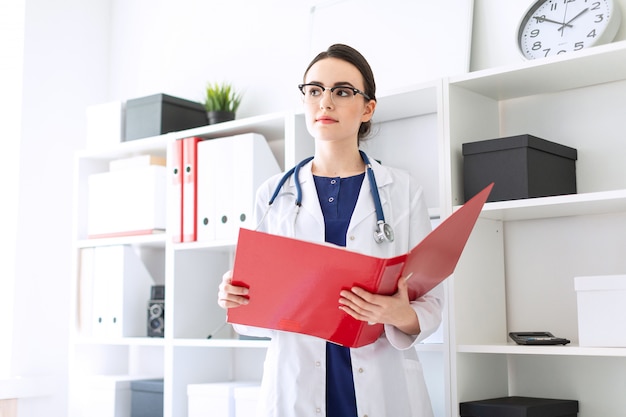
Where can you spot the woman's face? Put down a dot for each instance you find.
(327, 121)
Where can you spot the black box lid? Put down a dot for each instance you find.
(519, 407)
(157, 98)
(520, 141)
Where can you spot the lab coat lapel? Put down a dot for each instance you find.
(310, 202)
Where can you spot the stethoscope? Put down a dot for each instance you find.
(381, 233)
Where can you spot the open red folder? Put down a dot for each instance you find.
(294, 285)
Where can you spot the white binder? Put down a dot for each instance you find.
(121, 290)
(230, 170)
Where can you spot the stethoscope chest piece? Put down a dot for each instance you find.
(384, 232)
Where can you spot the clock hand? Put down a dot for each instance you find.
(541, 19)
(572, 19)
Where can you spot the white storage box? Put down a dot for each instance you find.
(215, 399)
(102, 396)
(127, 202)
(246, 399)
(601, 310)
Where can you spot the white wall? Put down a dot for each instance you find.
(496, 23)
(61, 72)
(11, 52)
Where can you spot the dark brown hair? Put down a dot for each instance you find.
(354, 57)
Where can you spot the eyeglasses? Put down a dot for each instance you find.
(340, 95)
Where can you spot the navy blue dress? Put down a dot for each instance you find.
(338, 198)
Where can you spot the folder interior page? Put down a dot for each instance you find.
(294, 285)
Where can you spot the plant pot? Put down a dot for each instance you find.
(218, 116)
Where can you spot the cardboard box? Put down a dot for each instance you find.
(127, 202)
(601, 310)
(519, 407)
(147, 398)
(160, 113)
(522, 166)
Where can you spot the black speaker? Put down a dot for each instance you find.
(156, 312)
(156, 318)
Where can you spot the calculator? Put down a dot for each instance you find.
(537, 338)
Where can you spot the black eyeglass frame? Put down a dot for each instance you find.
(332, 89)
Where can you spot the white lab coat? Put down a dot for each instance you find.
(388, 376)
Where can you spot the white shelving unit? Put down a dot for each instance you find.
(516, 273)
(407, 120)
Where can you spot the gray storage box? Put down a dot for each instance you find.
(522, 166)
(146, 398)
(160, 113)
(519, 407)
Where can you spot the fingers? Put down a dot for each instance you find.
(229, 295)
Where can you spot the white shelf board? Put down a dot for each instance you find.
(222, 343)
(123, 341)
(556, 206)
(226, 245)
(156, 145)
(560, 350)
(152, 240)
(271, 126)
(597, 65)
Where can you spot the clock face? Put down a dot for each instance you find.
(554, 27)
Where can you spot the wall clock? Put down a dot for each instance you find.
(552, 27)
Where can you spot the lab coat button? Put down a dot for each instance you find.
(318, 410)
(361, 370)
(318, 364)
(352, 237)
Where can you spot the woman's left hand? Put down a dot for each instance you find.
(393, 309)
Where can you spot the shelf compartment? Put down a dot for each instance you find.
(598, 65)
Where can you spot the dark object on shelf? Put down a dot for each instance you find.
(519, 407)
(537, 338)
(521, 166)
(156, 311)
(219, 116)
(160, 113)
(146, 398)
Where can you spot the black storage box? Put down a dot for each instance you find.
(160, 113)
(519, 407)
(522, 166)
(146, 398)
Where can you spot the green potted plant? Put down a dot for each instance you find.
(221, 102)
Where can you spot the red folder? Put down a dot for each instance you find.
(175, 172)
(294, 285)
(190, 188)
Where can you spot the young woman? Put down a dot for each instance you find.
(307, 376)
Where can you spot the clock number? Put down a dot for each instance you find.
(592, 34)
(600, 18)
(595, 6)
(534, 33)
(578, 46)
(536, 46)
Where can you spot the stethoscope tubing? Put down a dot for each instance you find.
(383, 231)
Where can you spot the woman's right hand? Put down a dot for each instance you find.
(230, 295)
